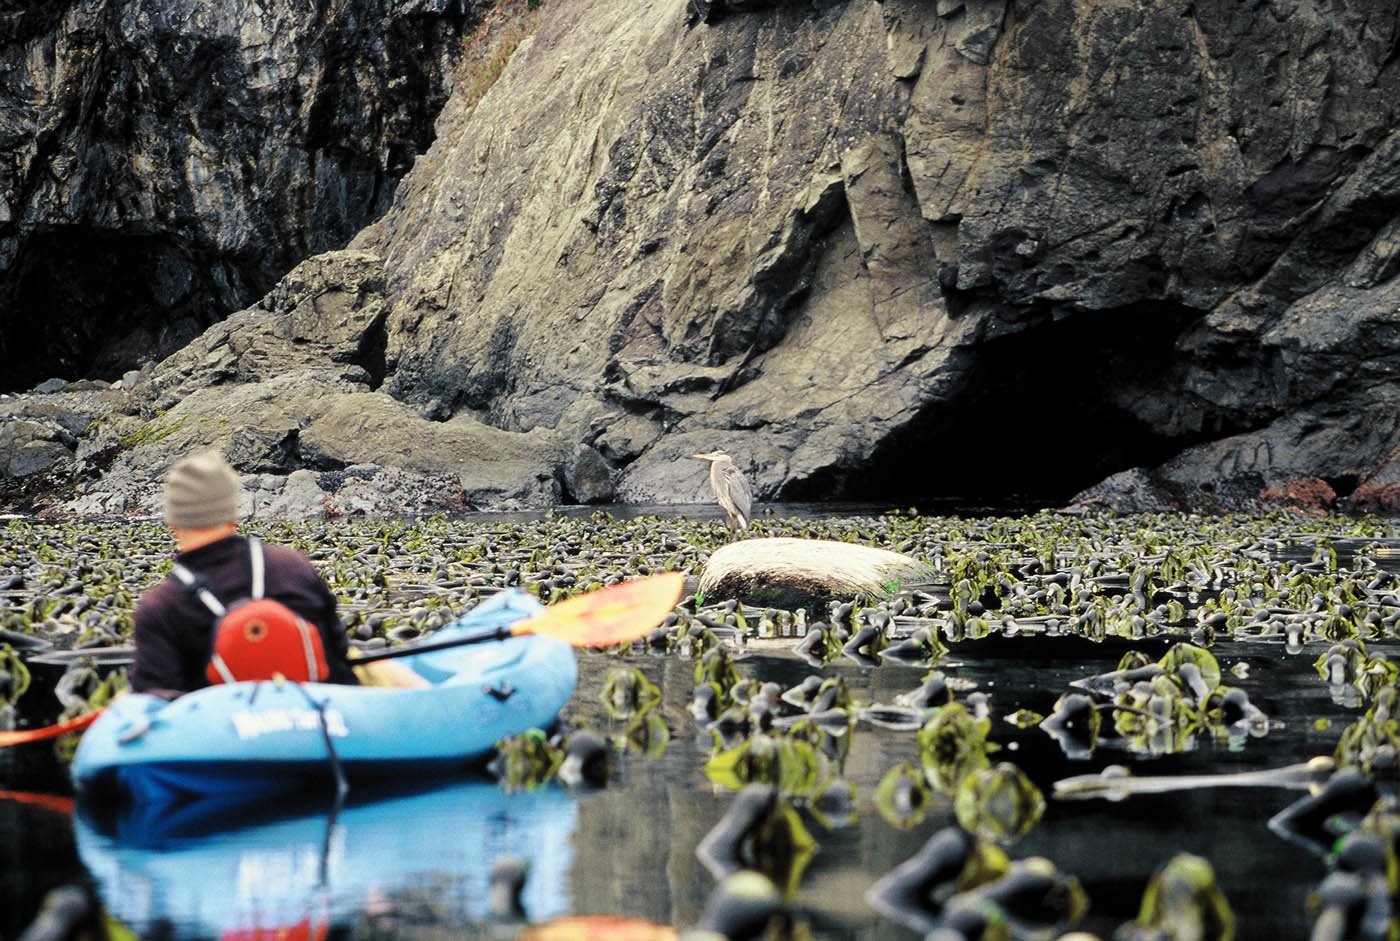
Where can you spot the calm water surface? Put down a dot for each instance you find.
(397, 864)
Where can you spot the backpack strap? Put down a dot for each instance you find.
(199, 588)
(217, 667)
(258, 565)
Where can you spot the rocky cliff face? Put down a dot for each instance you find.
(164, 162)
(902, 250)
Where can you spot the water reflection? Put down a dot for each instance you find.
(36, 855)
(223, 870)
(629, 849)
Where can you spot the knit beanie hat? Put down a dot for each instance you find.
(201, 490)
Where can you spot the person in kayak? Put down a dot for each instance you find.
(217, 571)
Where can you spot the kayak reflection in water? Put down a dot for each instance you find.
(206, 869)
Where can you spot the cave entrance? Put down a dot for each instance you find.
(1037, 420)
(87, 304)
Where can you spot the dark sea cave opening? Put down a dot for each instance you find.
(1036, 422)
(91, 305)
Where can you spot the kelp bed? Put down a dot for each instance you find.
(1144, 726)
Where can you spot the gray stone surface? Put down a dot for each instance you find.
(164, 162)
(850, 242)
(799, 233)
(42, 433)
(286, 389)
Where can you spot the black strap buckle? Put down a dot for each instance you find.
(500, 692)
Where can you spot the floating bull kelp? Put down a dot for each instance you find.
(1275, 591)
(744, 904)
(1352, 675)
(627, 692)
(964, 887)
(586, 760)
(1358, 896)
(952, 745)
(1074, 724)
(525, 761)
(95, 693)
(14, 676)
(1182, 900)
(762, 832)
(903, 796)
(998, 803)
(822, 643)
(647, 733)
(792, 765)
(952, 860)
(1373, 741)
(1158, 707)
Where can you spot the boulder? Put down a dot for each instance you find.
(324, 318)
(28, 447)
(307, 421)
(42, 448)
(789, 573)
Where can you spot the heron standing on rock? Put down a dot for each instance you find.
(730, 488)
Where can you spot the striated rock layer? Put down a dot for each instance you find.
(877, 250)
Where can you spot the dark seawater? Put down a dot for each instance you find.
(399, 863)
(1112, 847)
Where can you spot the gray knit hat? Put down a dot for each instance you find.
(201, 490)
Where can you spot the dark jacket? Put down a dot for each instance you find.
(174, 630)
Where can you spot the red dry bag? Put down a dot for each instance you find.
(258, 638)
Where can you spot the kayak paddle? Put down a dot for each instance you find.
(613, 615)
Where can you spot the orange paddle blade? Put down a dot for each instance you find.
(614, 615)
(76, 724)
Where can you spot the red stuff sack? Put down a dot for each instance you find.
(257, 638)
(262, 639)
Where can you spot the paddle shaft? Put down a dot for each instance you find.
(500, 633)
(25, 736)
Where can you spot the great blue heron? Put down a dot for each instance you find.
(730, 488)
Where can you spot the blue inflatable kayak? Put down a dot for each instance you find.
(213, 871)
(269, 737)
